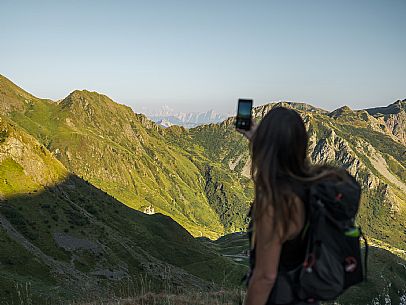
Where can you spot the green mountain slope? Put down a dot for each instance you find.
(128, 156)
(65, 239)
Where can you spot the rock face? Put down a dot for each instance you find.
(396, 123)
(394, 117)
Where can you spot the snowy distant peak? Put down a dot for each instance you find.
(186, 119)
(200, 117)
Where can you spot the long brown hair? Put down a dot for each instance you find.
(279, 154)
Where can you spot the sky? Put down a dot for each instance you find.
(198, 55)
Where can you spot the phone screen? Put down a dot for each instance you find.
(244, 108)
(243, 120)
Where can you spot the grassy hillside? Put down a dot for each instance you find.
(62, 238)
(131, 158)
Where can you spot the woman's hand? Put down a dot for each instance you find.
(248, 133)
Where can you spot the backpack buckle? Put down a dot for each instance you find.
(350, 264)
(309, 262)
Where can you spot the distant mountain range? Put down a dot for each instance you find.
(167, 117)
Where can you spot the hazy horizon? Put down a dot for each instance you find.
(196, 56)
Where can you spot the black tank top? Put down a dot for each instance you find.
(294, 250)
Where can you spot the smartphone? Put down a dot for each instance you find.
(243, 119)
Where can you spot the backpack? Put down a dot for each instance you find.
(333, 255)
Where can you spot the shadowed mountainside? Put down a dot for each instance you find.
(73, 240)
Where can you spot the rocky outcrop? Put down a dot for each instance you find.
(394, 118)
(396, 123)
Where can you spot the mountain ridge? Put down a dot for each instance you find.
(393, 108)
(381, 159)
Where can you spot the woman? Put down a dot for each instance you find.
(280, 170)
